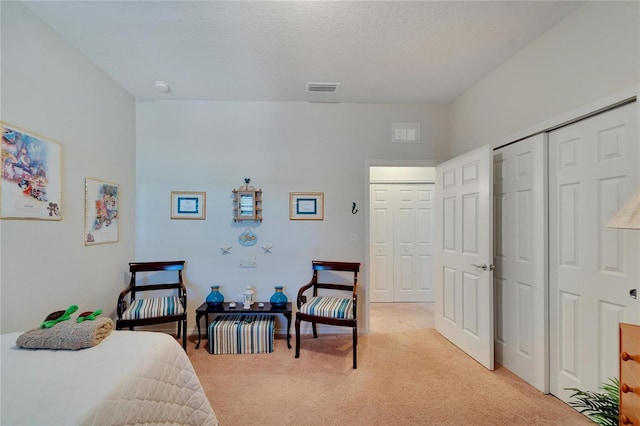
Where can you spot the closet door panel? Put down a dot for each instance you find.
(520, 258)
(593, 169)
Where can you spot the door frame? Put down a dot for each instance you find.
(369, 163)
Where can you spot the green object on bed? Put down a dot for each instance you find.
(88, 316)
(58, 316)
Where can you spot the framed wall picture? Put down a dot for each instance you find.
(306, 205)
(188, 205)
(31, 184)
(101, 212)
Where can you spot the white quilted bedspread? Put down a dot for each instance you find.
(132, 377)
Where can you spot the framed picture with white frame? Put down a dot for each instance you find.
(188, 205)
(306, 206)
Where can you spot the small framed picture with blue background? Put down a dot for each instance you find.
(306, 206)
(188, 205)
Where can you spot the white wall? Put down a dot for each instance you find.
(408, 174)
(48, 88)
(592, 54)
(283, 147)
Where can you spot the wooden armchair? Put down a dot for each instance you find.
(134, 310)
(329, 309)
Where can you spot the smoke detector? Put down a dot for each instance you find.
(161, 86)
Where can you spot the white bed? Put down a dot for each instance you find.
(131, 377)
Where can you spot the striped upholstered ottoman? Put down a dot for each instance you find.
(241, 334)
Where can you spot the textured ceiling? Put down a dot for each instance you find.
(379, 51)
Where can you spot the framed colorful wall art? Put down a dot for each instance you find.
(31, 184)
(101, 212)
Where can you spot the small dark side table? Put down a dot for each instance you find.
(204, 310)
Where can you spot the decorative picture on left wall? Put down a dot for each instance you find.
(31, 184)
(101, 212)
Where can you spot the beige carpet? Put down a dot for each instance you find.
(413, 377)
(394, 317)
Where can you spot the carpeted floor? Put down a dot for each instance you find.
(410, 377)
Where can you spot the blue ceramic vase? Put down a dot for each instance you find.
(279, 299)
(215, 298)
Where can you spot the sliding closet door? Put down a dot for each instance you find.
(520, 277)
(593, 168)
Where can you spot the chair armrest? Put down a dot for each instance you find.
(183, 297)
(302, 299)
(122, 303)
(355, 302)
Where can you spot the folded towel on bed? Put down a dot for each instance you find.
(67, 335)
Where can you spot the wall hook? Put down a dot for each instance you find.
(353, 208)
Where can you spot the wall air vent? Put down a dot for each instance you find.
(405, 132)
(323, 87)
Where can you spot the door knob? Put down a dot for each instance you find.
(633, 293)
(484, 266)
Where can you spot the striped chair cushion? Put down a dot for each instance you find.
(328, 306)
(153, 307)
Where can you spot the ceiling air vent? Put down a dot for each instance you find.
(322, 87)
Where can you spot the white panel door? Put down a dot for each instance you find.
(381, 250)
(401, 253)
(413, 253)
(593, 169)
(520, 256)
(464, 244)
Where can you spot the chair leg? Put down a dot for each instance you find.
(355, 346)
(315, 331)
(184, 335)
(297, 338)
(179, 329)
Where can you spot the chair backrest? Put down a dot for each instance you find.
(137, 267)
(319, 265)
